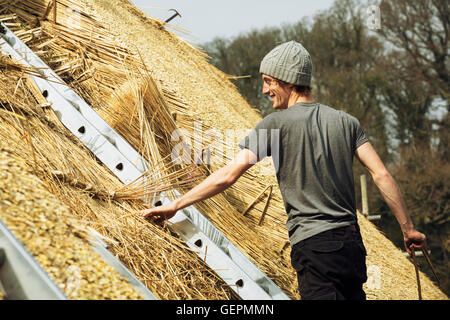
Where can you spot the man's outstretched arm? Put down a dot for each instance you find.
(217, 182)
(391, 194)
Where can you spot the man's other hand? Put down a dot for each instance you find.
(414, 240)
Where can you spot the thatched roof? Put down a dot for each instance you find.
(146, 82)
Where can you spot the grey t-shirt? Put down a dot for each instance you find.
(312, 146)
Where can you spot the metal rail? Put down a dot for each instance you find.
(127, 164)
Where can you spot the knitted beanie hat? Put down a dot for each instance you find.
(289, 62)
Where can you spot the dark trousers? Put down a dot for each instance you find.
(331, 265)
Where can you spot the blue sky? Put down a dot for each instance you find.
(206, 20)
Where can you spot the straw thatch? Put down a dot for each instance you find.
(154, 86)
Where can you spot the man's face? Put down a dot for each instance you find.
(277, 91)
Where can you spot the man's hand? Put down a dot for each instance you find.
(163, 212)
(414, 240)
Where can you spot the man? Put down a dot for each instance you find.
(313, 155)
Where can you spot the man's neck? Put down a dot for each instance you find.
(296, 98)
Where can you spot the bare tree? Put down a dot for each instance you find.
(420, 29)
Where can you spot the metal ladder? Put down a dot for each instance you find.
(127, 164)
